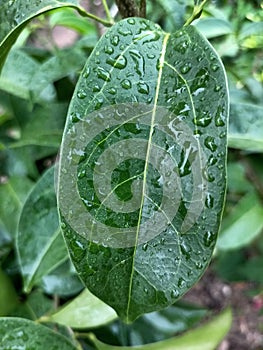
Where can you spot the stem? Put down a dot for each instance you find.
(127, 8)
(143, 8)
(107, 11)
(196, 12)
(106, 23)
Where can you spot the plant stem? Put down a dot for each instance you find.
(107, 11)
(196, 12)
(106, 23)
(127, 8)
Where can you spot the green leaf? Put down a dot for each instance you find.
(18, 333)
(85, 311)
(13, 192)
(142, 171)
(251, 35)
(246, 127)
(8, 297)
(15, 14)
(160, 325)
(63, 281)
(213, 27)
(206, 337)
(40, 244)
(243, 224)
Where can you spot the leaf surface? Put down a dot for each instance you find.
(246, 127)
(142, 171)
(85, 311)
(206, 337)
(18, 333)
(15, 14)
(40, 244)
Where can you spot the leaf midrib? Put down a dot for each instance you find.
(161, 65)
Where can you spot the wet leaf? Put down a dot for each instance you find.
(18, 333)
(142, 171)
(15, 14)
(206, 337)
(40, 244)
(85, 311)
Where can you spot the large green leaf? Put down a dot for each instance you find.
(85, 311)
(15, 14)
(206, 337)
(18, 333)
(40, 244)
(142, 171)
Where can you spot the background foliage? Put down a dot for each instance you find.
(36, 84)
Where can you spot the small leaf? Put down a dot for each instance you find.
(40, 244)
(206, 337)
(246, 127)
(243, 224)
(18, 333)
(15, 14)
(213, 27)
(13, 192)
(142, 170)
(85, 311)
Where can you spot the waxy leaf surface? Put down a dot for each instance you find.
(40, 244)
(142, 170)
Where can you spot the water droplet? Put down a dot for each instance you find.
(150, 56)
(181, 283)
(103, 74)
(208, 176)
(214, 67)
(98, 102)
(145, 246)
(145, 290)
(119, 62)
(81, 174)
(81, 94)
(175, 294)
(222, 134)
(170, 250)
(96, 88)
(210, 143)
(126, 84)
(112, 91)
(138, 60)
(185, 250)
(209, 201)
(203, 119)
(108, 49)
(143, 88)
(124, 32)
(209, 238)
(199, 265)
(217, 88)
(186, 68)
(115, 40)
(86, 73)
(131, 21)
(219, 118)
(75, 117)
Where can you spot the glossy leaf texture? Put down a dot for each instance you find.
(142, 169)
(206, 337)
(40, 244)
(18, 333)
(15, 14)
(85, 311)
